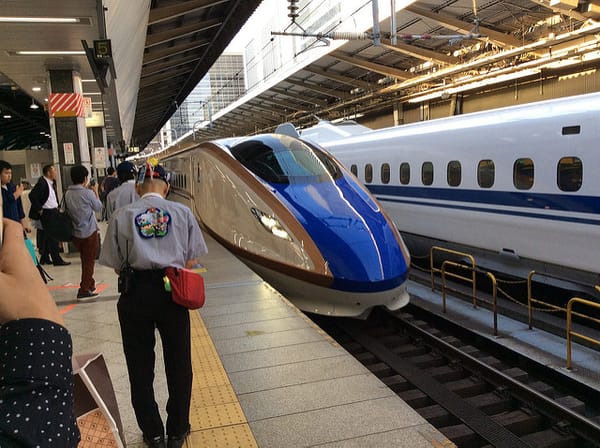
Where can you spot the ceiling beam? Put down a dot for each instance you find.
(419, 53)
(310, 86)
(169, 74)
(502, 39)
(255, 112)
(329, 74)
(371, 66)
(172, 63)
(156, 55)
(298, 97)
(178, 33)
(285, 105)
(165, 13)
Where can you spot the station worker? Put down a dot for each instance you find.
(126, 192)
(149, 235)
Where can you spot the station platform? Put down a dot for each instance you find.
(547, 349)
(264, 374)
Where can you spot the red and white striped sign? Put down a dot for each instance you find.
(66, 105)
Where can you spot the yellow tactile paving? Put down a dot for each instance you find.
(232, 436)
(216, 416)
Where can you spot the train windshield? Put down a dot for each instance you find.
(284, 160)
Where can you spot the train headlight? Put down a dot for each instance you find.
(271, 223)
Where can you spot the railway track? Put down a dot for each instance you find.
(476, 394)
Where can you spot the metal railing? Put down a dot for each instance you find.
(550, 306)
(491, 276)
(570, 332)
(471, 258)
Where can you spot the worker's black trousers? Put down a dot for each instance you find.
(147, 307)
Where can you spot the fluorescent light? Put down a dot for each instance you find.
(7, 116)
(37, 89)
(92, 93)
(48, 52)
(39, 19)
(88, 80)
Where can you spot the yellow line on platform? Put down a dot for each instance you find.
(216, 417)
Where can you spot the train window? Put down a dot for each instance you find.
(571, 130)
(354, 170)
(368, 172)
(486, 173)
(523, 174)
(385, 173)
(569, 174)
(427, 173)
(283, 160)
(404, 173)
(453, 173)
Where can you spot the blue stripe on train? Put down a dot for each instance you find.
(524, 200)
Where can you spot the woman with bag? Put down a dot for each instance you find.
(82, 203)
(143, 239)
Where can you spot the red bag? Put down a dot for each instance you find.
(187, 287)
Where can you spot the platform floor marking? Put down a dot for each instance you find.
(216, 417)
(99, 287)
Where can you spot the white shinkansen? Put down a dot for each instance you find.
(514, 186)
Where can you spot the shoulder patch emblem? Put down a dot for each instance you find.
(154, 222)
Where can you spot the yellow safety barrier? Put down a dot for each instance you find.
(550, 306)
(571, 333)
(471, 258)
(491, 276)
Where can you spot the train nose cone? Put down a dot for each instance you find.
(352, 234)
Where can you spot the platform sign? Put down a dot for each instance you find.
(96, 120)
(100, 157)
(69, 153)
(35, 170)
(87, 107)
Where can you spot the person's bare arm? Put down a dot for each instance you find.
(23, 294)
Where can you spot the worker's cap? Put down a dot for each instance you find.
(155, 172)
(126, 167)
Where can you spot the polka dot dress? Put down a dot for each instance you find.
(36, 385)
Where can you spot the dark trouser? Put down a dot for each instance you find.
(50, 243)
(148, 307)
(88, 249)
(40, 242)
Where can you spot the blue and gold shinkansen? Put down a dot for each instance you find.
(299, 219)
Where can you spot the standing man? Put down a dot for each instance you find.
(109, 183)
(143, 238)
(125, 193)
(12, 207)
(44, 207)
(82, 202)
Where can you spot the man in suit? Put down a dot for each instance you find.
(44, 207)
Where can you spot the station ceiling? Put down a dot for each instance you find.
(180, 41)
(442, 47)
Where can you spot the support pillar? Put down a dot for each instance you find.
(398, 114)
(69, 135)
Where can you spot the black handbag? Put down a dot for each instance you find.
(58, 224)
